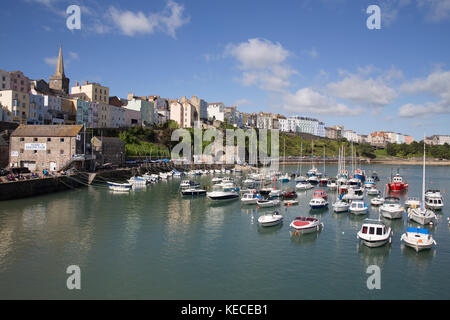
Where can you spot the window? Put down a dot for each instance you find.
(22, 139)
(61, 140)
(379, 231)
(35, 139)
(49, 139)
(364, 230)
(371, 230)
(21, 150)
(61, 151)
(49, 151)
(34, 151)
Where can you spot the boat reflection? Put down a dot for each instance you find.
(269, 230)
(373, 256)
(301, 239)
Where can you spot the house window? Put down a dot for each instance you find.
(49, 139)
(49, 151)
(35, 139)
(61, 140)
(61, 151)
(34, 151)
(22, 139)
(21, 150)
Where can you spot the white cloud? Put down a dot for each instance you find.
(307, 100)
(438, 10)
(51, 61)
(243, 102)
(74, 55)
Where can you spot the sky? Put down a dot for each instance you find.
(314, 58)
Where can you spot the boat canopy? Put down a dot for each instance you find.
(418, 230)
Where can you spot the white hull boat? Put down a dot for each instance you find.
(270, 220)
(378, 201)
(250, 198)
(412, 202)
(391, 208)
(422, 216)
(358, 208)
(374, 233)
(340, 206)
(303, 225)
(318, 203)
(268, 203)
(119, 186)
(418, 239)
(433, 200)
(304, 186)
(275, 193)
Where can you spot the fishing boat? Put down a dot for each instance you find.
(360, 175)
(270, 219)
(377, 201)
(189, 184)
(304, 186)
(418, 239)
(391, 208)
(422, 215)
(374, 233)
(433, 200)
(302, 225)
(138, 181)
(358, 207)
(222, 192)
(320, 194)
(119, 186)
(288, 195)
(397, 184)
(318, 203)
(193, 192)
(250, 198)
(268, 203)
(370, 182)
(412, 202)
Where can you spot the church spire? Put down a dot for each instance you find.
(60, 64)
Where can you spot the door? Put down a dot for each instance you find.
(52, 166)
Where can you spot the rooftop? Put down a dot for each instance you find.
(24, 130)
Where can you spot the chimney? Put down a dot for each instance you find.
(77, 84)
(130, 96)
(86, 82)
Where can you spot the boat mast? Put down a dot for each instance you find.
(324, 160)
(423, 179)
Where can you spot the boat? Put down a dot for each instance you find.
(332, 184)
(320, 194)
(119, 186)
(138, 181)
(412, 202)
(189, 184)
(290, 202)
(270, 219)
(249, 182)
(299, 177)
(340, 206)
(353, 194)
(374, 176)
(360, 175)
(374, 233)
(370, 182)
(268, 203)
(318, 203)
(391, 208)
(306, 225)
(222, 192)
(265, 191)
(377, 201)
(193, 192)
(397, 184)
(422, 215)
(284, 178)
(418, 239)
(373, 191)
(433, 200)
(304, 186)
(288, 195)
(358, 207)
(250, 198)
(313, 179)
(275, 193)
(217, 180)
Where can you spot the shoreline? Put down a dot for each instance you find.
(374, 161)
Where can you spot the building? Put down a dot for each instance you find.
(50, 147)
(36, 114)
(6, 128)
(439, 139)
(5, 80)
(109, 150)
(94, 91)
(19, 82)
(267, 121)
(350, 135)
(59, 82)
(5, 114)
(118, 117)
(145, 107)
(408, 139)
(301, 125)
(132, 118)
(216, 111)
(17, 103)
(183, 113)
(378, 139)
(201, 106)
(104, 115)
(53, 111)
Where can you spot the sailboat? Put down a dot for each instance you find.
(422, 215)
(313, 173)
(299, 177)
(324, 180)
(285, 177)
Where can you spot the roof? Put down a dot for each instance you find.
(418, 230)
(24, 130)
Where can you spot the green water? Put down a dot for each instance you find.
(155, 244)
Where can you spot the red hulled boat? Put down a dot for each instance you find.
(397, 184)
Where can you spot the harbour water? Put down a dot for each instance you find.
(156, 244)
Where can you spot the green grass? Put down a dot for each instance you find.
(146, 149)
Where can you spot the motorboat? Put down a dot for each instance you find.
(284, 178)
(418, 239)
(360, 174)
(340, 206)
(223, 192)
(138, 181)
(391, 208)
(288, 195)
(358, 207)
(265, 191)
(250, 198)
(323, 181)
(248, 182)
(375, 176)
(377, 201)
(216, 180)
(270, 219)
(433, 200)
(193, 192)
(289, 203)
(318, 203)
(119, 186)
(372, 191)
(353, 194)
(268, 203)
(304, 186)
(397, 184)
(302, 225)
(189, 184)
(228, 180)
(374, 233)
(370, 182)
(332, 184)
(300, 178)
(275, 193)
(320, 194)
(412, 202)
(313, 179)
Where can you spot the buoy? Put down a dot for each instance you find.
(296, 233)
(342, 232)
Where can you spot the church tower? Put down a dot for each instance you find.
(59, 81)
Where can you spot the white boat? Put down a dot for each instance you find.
(331, 184)
(377, 201)
(223, 192)
(313, 179)
(275, 193)
(304, 186)
(340, 206)
(392, 208)
(227, 180)
(270, 219)
(412, 202)
(290, 202)
(138, 181)
(268, 203)
(300, 178)
(374, 233)
(433, 200)
(353, 194)
(302, 225)
(369, 182)
(318, 203)
(250, 198)
(372, 191)
(248, 182)
(422, 215)
(284, 178)
(217, 180)
(193, 192)
(418, 239)
(188, 184)
(119, 186)
(358, 207)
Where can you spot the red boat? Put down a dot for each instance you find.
(397, 184)
(320, 194)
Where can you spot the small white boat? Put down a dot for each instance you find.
(216, 180)
(193, 192)
(138, 181)
(248, 182)
(422, 216)
(300, 178)
(374, 233)
(318, 203)
(270, 219)
(378, 201)
(358, 207)
(331, 184)
(433, 200)
(313, 179)
(188, 184)
(353, 194)
(369, 182)
(284, 178)
(223, 193)
(340, 206)
(268, 203)
(306, 225)
(372, 191)
(250, 198)
(391, 208)
(275, 193)
(412, 202)
(119, 186)
(418, 239)
(304, 186)
(290, 202)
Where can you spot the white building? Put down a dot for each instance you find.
(216, 111)
(36, 112)
(303, 125)
(350, 135)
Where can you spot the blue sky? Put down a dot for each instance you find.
(311, 58)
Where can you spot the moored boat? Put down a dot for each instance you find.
(119, 186)
(374, 233)
(391, 208)
(318, 203)
(302, 225)
(418, 238)
(358, 207)
(270, 219)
